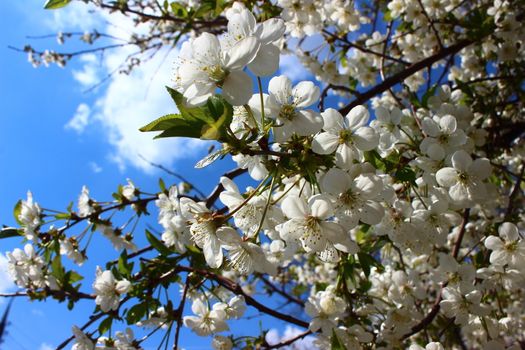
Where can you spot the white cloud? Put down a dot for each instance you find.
(292, 67)
(45, 346)
(127, 102)
(95, 167)
(306, 343)
(37, 312)
(89, 75)
(76, 16)
(80, 120)
(6, 284)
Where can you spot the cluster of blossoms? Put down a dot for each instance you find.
(392, 224)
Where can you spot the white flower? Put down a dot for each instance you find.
(85, 204)
(235, 307)
(464, 178)
(220, 342)
(242, 24)
(126, 340)
(203, 230)
(244, 256)
(356, 199)
(117, 239)
(443, 136)
(458, 306)
(207, 65)
(254, 164)
(287, 105)
(386, 125)
(207, 321)
(176, 233)
(347, 136)
(82, 341)
(69, 247)
(108, 290)
(324, 307)
(168, 205)
(29, 217)
(25, 267)
(509, 249)
(128, 191)
(250, 214)
(308, 222)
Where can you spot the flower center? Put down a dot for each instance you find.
(217, 74)
(348, 197)
(511, 246)
(312, 223)
(287, 112)
(463, 177)
(345, 136)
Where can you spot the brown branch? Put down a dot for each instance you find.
(53, 293)
(235, 288)
(399, 77)
(179, 312)
(287, 296)
(350, 44)
(288, 342)
(92, 319)
(514, 193)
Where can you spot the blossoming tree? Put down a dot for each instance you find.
(387, 197)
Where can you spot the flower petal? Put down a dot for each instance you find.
(357, 117)
(280, 88)
(305, 94)
(237, 88)
(461, 160)
(366, 138)
(294, 207)
(241, 53)
(266, 62)
(320, 206)
(270, 30)
(325, 143)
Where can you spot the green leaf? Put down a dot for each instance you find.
(406, 175)
(17, 210)
(9, 232)
(55, 4)
(124, 267)
(57, 270)
(158, 245)
(210, 158)
(74, 277)
(367, 261)
(136, 313)
(163, 123)
(179, 10)
(105, 325)
(208, 122)
(162, 185)
(336, 344)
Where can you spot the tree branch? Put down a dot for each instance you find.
(399, 77)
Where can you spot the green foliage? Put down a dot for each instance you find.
(157, 244)
(55, 4)
(16, 212)
(212, 157)
(208, 122)
(335, 343)
(136, 313)
(8, 232)
(105, 325)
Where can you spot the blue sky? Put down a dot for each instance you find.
(39, 153)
